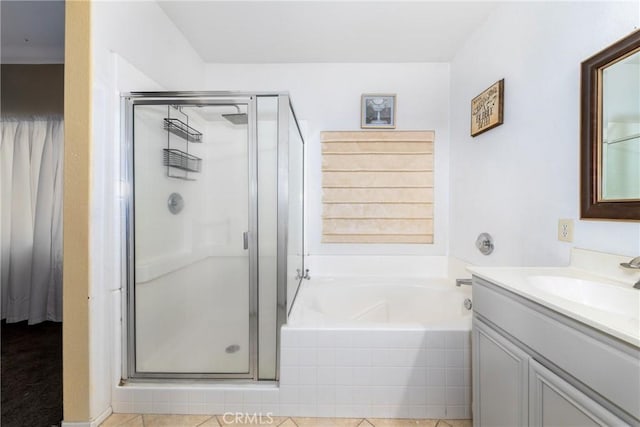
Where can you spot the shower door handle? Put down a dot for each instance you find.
(245, 240)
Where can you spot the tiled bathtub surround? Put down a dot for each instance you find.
(336, 373)
(376, 373)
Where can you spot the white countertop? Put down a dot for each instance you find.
(625, 326)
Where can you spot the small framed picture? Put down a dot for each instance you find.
(487, 109)
(378, 111)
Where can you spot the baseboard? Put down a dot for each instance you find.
(95, 423)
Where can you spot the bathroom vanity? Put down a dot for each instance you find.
(554, 347)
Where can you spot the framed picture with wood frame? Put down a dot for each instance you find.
(487, 109)
(378, 111)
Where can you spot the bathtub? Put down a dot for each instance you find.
(372, 347)
(432, 304)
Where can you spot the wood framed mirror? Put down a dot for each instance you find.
(610, 132)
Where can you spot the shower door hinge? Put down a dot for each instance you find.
(300, 276)
(245, 240)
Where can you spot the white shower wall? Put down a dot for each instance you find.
(326, 96)
(163, 238)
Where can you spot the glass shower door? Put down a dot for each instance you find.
(194, 232)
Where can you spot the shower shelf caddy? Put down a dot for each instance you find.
(174, 158)
(181, 160)
(182, 129)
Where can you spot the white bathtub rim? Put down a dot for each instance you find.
(299, 320)
(377, 280)
(382, 327)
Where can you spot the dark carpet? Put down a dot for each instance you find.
(31, 376)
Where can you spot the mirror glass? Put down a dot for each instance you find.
(619, 133)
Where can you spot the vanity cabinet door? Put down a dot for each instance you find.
(500, 379)
(555, 402)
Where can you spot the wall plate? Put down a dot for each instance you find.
(484, 243)
(565, 230)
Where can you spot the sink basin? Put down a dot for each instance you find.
(599, 295)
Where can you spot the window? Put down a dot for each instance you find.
(377, 187)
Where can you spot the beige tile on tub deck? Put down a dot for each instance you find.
(174, 420)
(128, 420)
(384, 422)
(327, 422)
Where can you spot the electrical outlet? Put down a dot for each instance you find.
(565, 230)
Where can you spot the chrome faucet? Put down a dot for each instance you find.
(460, 282)
(633, 264)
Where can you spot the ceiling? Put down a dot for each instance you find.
(267, 31)
(326, 31)
(32, 31)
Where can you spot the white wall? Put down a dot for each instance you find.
(514, 181)
(517, 180)
(327, 97)
(135, 47)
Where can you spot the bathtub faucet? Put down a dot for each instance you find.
(460, 282)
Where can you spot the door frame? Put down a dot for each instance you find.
(128, 103)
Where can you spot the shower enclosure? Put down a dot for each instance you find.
(214, 232)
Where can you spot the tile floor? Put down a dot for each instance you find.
(137, 420)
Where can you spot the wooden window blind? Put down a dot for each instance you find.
(377, 187)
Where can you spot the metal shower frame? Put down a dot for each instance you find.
(128, 101)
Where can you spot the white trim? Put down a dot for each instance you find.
(95, 423)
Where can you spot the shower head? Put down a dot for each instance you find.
(238, 118)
